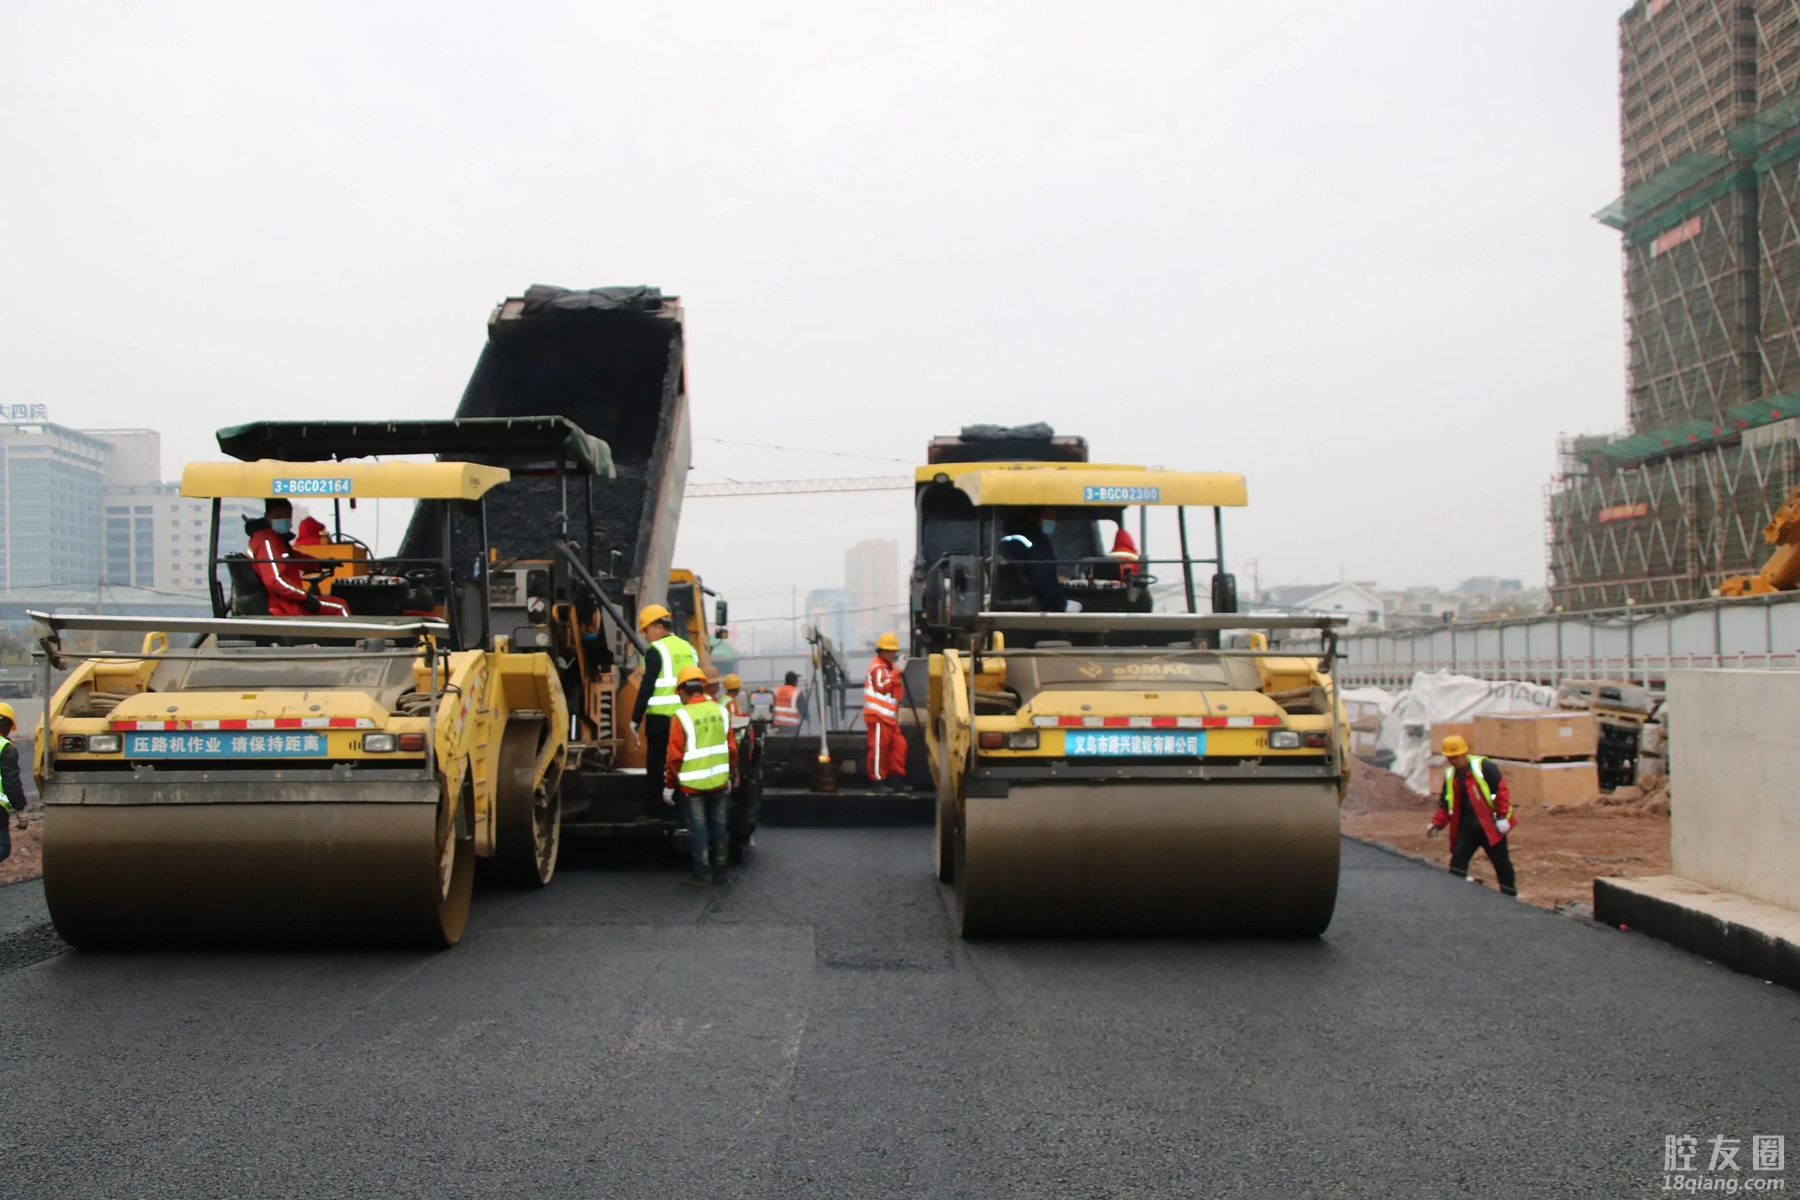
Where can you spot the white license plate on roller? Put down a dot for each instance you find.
(1100, 743)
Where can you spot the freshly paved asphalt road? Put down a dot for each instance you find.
(815, 1030)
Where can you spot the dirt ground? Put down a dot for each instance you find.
(1556, 852)
(26, 861)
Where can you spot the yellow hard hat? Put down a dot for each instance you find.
(1454, 745)
(650, 614)
(733, 683)
(690, 675)
(7, 712)
(887, 641)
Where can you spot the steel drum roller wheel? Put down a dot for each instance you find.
(1231, 859)
(528, 819)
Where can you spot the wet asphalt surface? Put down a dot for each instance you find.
(815, 1029)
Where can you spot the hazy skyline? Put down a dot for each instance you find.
(1343, 248)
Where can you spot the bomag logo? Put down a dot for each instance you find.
(1092, 670)
(1173, 670)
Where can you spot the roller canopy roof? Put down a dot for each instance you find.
(1106, 488)
(478, 439)
(342, 481)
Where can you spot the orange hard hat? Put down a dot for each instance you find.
(652, 613)
(1454, 745)
(690, 675)
(733, 683)
(887, 641)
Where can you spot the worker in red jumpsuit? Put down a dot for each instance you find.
(1125, 558)
(881, 714)
(272, 553)
(1478, 810)
(311, 533)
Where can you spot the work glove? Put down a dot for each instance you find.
(1504, 826)
(1072, 606)
(669, 797)
(311, 603)
(1431, 831)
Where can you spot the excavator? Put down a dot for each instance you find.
(1782, 572)
(1110, 768)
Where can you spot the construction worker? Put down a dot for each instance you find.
(882, 688)
(1027, 541)
(657, 697)
(1473, 784)
(272, 555)
(312, 532)
(702, 767)
(12, 785)
(787, 702)
(739, 708)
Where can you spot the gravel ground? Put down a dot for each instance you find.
(814, 1029)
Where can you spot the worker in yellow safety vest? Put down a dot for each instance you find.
(12, 786)
(882, 688)
(787, 703)
(657, 701)
(1478, 810)
(702, 769)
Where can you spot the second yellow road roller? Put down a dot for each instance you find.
(1103, 766)
(277, 775)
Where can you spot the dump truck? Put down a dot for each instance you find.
(1116, 769)
(580, 558)
(258, 779)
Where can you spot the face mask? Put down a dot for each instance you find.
(282, 524)
(1049, 526)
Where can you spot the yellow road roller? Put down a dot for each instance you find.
(259, 779)
(1103, 767)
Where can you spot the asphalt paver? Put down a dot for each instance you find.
(815, 1028)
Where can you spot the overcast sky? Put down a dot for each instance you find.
(1342, 246)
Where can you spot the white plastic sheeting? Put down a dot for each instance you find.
(1439, 697)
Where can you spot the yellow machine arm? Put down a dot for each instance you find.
(1782, 572)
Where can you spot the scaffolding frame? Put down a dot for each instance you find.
(1668, 529)
(1688, 76)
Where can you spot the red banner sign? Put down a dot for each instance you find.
(1624, 512)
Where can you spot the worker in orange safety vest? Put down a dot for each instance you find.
(882, 688)
(787, 703)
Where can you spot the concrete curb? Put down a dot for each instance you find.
(1734, 931)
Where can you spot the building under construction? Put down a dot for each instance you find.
(1710, 115)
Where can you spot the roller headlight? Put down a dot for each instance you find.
(1284, 739)
(380, 743)
(103, 743)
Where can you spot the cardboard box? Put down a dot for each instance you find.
(1364, 715)
(1535, 784)
(1362, 745)
(1535, 737)
(1462, 729)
